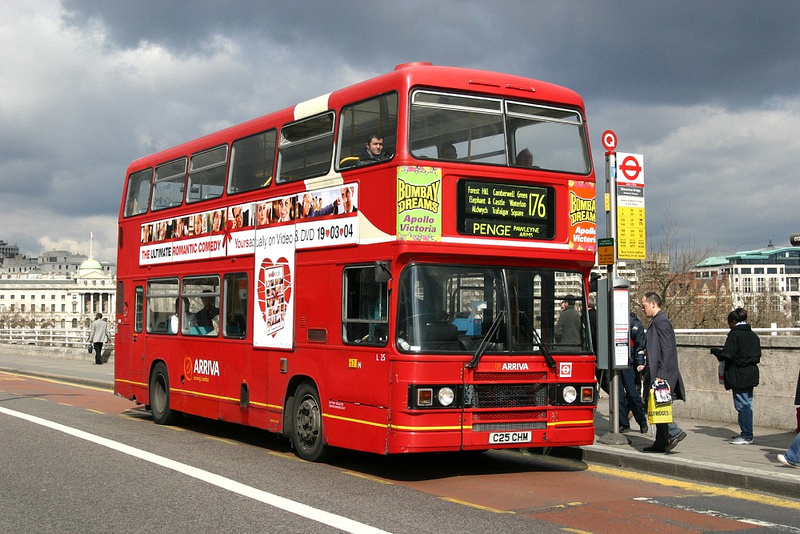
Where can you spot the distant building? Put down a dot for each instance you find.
(765, 277)
(51, 264)
(58, 290)
(7, 251)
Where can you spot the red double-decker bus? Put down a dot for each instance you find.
(397, 266)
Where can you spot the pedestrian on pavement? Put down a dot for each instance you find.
(662, 364)
(792, 456)
(568, 327)
(741, 355)
(601, 375)
(630, 389)
(797, 403)
(97, 336)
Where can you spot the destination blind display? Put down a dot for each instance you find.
(506, 210)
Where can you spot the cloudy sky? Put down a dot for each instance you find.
(708, 91)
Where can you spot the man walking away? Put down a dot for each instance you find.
(97, 336)
(662, 364)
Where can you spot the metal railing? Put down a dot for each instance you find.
(771, 331)
(47, 337)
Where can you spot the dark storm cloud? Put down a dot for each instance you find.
(645, 51)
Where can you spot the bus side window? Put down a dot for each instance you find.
(168, 184)
(373, 117)
(162, 306)
(200, 306)
(365, 318)
(138, 309)
(137, 197)
(306, 148)
(236, 292)
(252, 159)
(207, 174)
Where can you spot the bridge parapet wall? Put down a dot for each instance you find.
(707, 399)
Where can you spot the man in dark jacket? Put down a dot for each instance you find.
(630, 392)
(373, 151)
(741, 354)
(662, 364)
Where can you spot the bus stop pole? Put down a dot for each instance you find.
(613, 437)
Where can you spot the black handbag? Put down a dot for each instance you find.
(89, 348)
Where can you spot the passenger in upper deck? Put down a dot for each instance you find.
(373, 150)
(448, 151)
(525, 158)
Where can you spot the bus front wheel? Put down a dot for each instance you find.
(307, 424)
(159, 395)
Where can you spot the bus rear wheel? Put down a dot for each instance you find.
(159, 395)
(307, 424)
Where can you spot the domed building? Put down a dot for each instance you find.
(96, 290)
(59, 289)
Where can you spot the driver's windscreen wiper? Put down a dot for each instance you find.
(485, 341)
(538, 339)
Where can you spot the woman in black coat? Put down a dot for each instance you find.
(741, 354)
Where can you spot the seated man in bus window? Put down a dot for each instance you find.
(448, 151)
(205, 316)
(525, 158)
(373, 150)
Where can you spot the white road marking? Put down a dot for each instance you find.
(716, 513)
(303, 510)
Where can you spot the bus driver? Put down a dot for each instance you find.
(373, 151)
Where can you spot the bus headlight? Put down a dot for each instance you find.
(569, 393)
(446, 396)
(434, 396)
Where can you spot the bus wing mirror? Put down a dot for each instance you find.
(382, 272)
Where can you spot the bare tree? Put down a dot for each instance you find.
(764, 308)
(688, 303)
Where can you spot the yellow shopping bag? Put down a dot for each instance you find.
(658, 414)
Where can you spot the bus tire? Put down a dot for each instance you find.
(159, 395)
(540, 451)
(306, 423)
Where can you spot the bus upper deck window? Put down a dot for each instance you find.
(252, 160)
(547, 138)
(375, 118)
(207, 174)
(460, 128)
(137, 197)
(168, 184)
(306, 148)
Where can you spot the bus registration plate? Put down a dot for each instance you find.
(510, 437)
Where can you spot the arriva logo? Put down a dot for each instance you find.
(206, 367)
(200, 370)
(513, 367)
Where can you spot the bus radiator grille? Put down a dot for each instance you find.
(505, 395)
(532, 376)
(502, 427)
(510, 416)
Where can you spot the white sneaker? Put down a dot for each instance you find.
(785, 461)
(739, 440)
